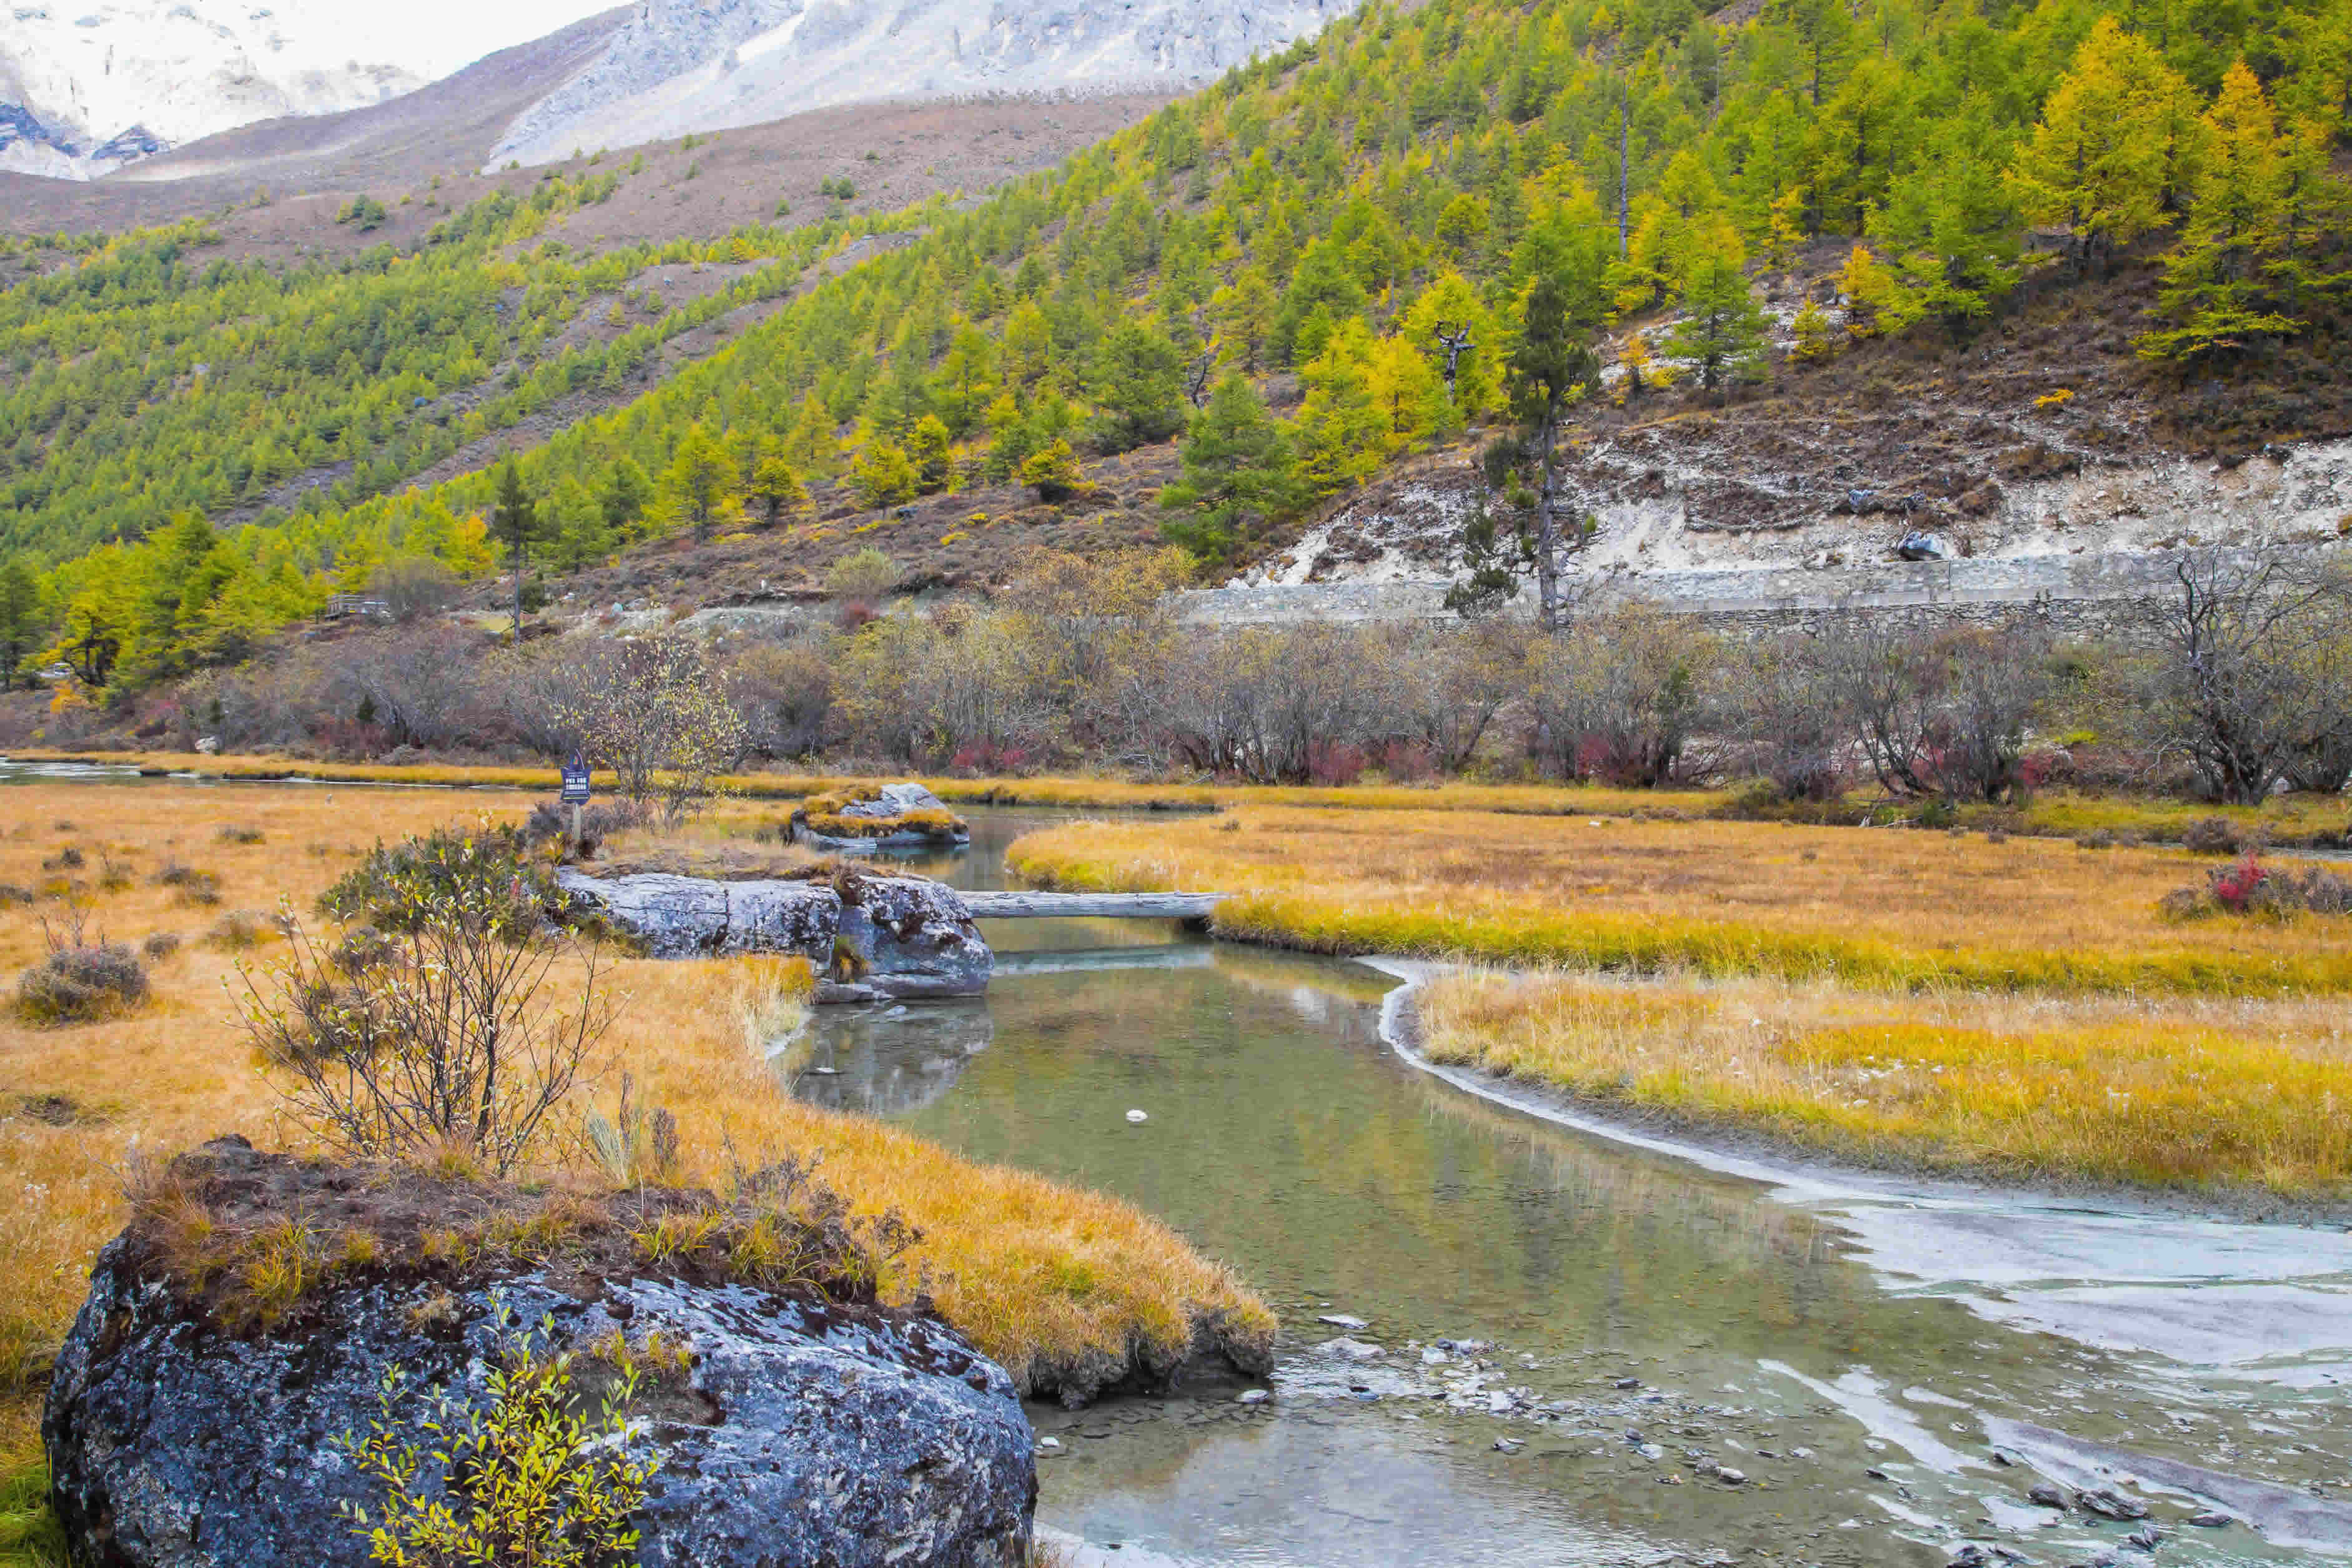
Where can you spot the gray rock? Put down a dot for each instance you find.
(1343, 1321)
(1730, 1477)
(2211, 1520)
(1349, 1349)
(913, 937)
(2147, 1538)
(1252, 1396)
(691, 916)
(801, 1436)
(2109, 1503)
(2045, 1494)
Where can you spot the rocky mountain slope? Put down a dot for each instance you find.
(685, 66)
(87, 89)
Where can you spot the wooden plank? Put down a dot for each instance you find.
(1019, 905)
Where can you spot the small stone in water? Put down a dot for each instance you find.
(1136, 1116)
(2144, 1537)
(2047, 1495)
(1252, 1396)
(1343, 1321)
(1628, 1383)
(2208, 1519)
(1049, 1444)
(1730, 1477)
(1509, 1445)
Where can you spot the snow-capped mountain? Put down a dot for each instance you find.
(87, 86)
(680, 65)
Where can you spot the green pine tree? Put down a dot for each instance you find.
(1239, 472)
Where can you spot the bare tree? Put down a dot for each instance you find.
(1993, 683)
(1622, 692)
(414, 585)
(2239, 658)
(1450, 688)
(418, 685)
(655, 710)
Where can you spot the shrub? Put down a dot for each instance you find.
(519, 1478)
(430, 1030)
(239, 833)
(2249, 887)
(161, 944)
(188, 885)
(81, 982)
(67, 859)
(551, 822)
(487, 877)
(238, 930)
(2216, 836)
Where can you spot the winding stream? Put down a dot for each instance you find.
(1856, 1351)
(1578, 1336)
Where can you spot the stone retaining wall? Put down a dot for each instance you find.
(2082, 594)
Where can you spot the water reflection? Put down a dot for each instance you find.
(1286, 1138)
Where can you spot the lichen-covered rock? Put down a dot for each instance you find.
(690, 917)
(803, 1433)
(914, 937)
(878, 936)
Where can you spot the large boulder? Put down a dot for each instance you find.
(914, 938)
(693, 918)
(868, 938)
(804, 1431)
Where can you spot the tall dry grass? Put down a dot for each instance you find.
(1040, 1275)
(2197, 1093)
(1872, 907)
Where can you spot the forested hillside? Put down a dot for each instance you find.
(1270, 269)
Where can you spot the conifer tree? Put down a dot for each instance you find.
(777, 488)
(2110, 147)
(1137, 381)
(1238, 473)
(514, 524)
(1721, 334)
(1552, 368)
(622, 497)
(20, 618)
(698, 488)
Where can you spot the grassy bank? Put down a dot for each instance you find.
(1907, 910)
(2226, 1098)
(1054, 1281)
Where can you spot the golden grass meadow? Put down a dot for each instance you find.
(1870, 906)
(2018, 1008)
(1037, 1273)
(2286, 819)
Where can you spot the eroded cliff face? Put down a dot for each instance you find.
(683, 65)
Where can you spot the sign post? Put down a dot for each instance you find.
(575, 795)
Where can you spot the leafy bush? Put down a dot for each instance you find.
(518, 1479)
(485, 876)
(161, 944)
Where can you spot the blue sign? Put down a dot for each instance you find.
(575, 784)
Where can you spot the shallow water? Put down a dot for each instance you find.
(1802, 1333)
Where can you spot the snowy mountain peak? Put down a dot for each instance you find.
(87, 86)
(680, 65)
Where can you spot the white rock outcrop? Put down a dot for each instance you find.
(681, 65)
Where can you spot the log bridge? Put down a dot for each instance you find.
(1023, 905)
